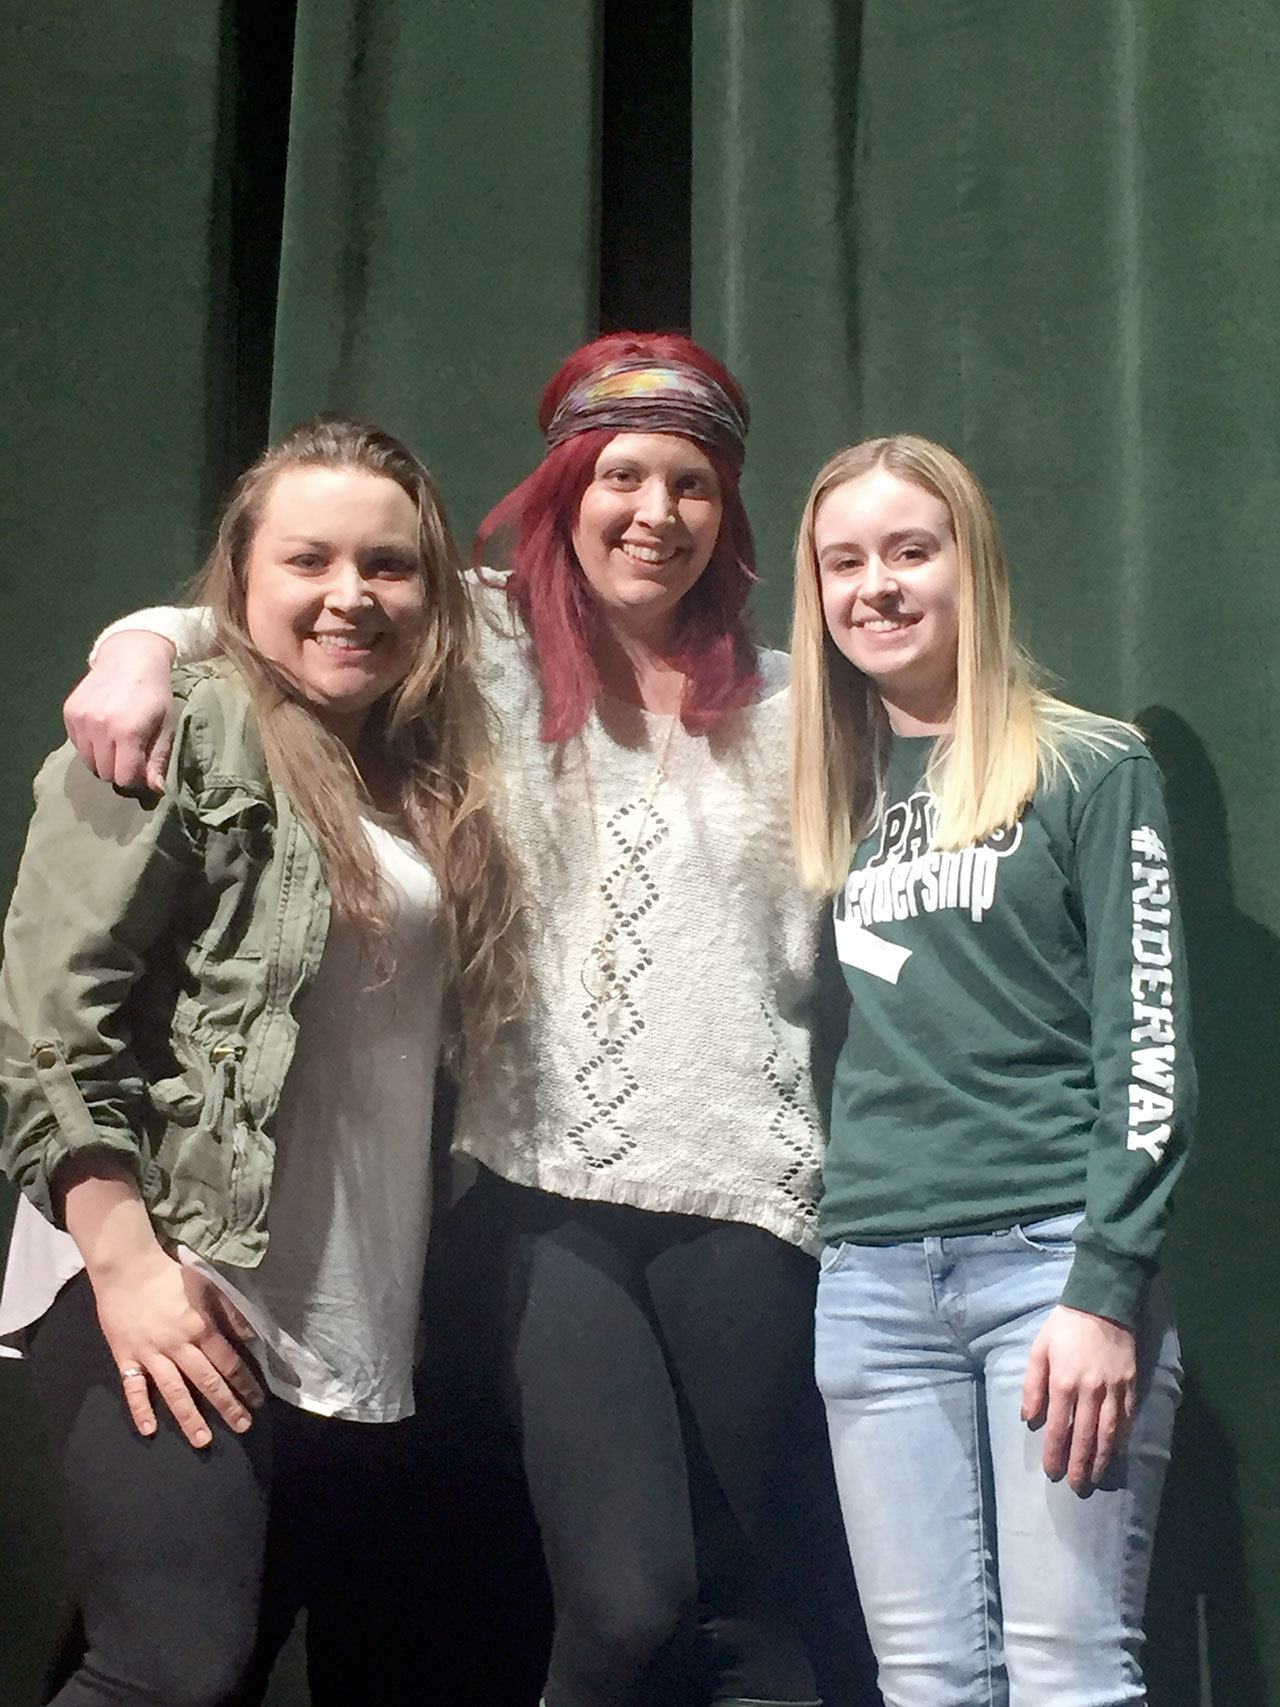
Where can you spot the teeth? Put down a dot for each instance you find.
(884, 624)
(343, 642)
(648, 553)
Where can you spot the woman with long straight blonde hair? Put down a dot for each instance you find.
(221, 1011)
(1011, 1104)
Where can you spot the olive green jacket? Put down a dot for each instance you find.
(154, 952)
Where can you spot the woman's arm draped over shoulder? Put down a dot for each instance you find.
(120, 715)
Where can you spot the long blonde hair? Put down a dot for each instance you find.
(431, 733)
(1008, 732)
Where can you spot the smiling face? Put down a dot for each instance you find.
(334, 591)
(646, 528)
(889, 576)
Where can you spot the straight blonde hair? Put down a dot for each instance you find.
(1008, 732)
(431, 735)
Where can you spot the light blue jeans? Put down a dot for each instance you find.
(984, 1584)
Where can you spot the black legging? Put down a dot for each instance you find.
(661, 1369)
(190, 1567)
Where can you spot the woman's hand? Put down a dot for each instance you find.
(1082, 1385)
(120, 716)
(163, 1322)
(170, 1325)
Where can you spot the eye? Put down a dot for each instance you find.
(621, 477)
(306, 560)
(916, 551)
(697, 485)
(393, 566)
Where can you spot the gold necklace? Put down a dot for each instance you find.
(598, 973)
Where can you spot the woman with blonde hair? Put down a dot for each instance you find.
(221, 1012)
(1010, 1109)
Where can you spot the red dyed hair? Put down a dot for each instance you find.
(547, 587)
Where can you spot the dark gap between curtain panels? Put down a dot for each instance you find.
(257, 83)
(646, 197)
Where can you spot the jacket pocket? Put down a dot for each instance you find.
(204, 1143)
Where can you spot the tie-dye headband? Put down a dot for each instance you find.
(638, 396)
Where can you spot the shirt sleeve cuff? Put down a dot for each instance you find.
(1106, 1284)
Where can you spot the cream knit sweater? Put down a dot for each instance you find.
(681, 1082)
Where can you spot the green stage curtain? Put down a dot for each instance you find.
(1050, 237)
(113, 376)
(439, 249)
(220, 217)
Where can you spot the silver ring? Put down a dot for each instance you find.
(130, 1371)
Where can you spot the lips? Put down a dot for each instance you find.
(648, 556)
(334, 642)
(897, 624)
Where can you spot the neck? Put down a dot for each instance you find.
(909, 715)
(641, 669)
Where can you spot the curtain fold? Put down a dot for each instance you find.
(1050, 237)
(439, 249)
(115, 373)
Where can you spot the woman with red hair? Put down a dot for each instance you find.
(646, 1134)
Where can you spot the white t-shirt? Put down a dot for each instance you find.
(336, 1298)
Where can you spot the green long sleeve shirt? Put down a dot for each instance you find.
(1017, 1043)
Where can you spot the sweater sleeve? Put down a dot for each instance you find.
(1143, 1068)
(188, 627)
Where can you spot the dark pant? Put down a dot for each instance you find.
(190, 1567)
(661, 1372)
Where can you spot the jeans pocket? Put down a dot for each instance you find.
(1054, 1237)
(828, 1257)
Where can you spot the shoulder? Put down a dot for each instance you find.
(216, 741)
(774, 671)
(1079, 749)
(488, 590)
(1098, 773)
(506, 671)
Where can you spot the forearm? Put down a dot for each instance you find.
(184, 632)
(101, 1207)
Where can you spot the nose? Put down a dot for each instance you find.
(655, 503)
(346, 590)
(878, 580)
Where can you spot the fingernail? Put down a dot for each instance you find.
(203, 1437)
(148, 1428)
(241, 1423)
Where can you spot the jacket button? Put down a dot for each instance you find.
(46, 1056)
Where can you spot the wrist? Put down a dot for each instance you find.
(134, 651)
(103, 1210)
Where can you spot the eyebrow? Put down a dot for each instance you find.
(625, 461)
(895, 538)
(403, 547)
